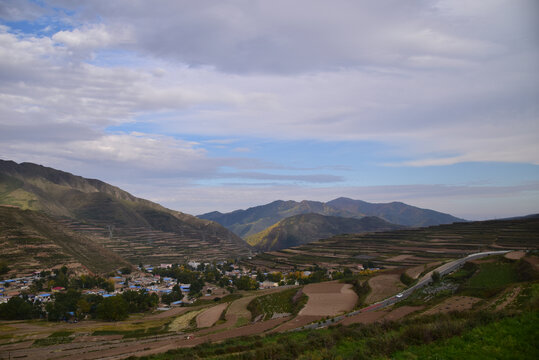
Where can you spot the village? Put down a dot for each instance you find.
(175, 285)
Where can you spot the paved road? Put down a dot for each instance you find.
(425, 280)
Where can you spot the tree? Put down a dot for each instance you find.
(3, 268)
(19, 309)
(435, 276)
(246, 283)
(113, 308)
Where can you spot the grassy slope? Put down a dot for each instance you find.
(62, 194)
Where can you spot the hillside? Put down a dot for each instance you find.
(30, 241)
(253, 220)
(409, 247)
(305, 228)
(126, 224)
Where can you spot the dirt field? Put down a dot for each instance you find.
(383, 286)
(399, 258)
(455, 303)
(415, 271)
(209, 317)
(328, 299)
(401, 312)
(515, 255)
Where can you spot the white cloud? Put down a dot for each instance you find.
(436, 83)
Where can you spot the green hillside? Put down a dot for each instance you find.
(305, 228)
(30, 241)
(81, 202)
(254, 220)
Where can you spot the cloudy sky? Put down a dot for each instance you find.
(220, 105)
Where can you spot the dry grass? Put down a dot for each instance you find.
(455, 303)
(383, 286)
(182, 322)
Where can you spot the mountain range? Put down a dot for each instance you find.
(256, 219)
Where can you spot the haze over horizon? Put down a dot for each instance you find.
(222, 105)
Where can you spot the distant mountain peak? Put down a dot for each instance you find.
(255, 219)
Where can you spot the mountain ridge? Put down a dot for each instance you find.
(305, 228)
(255, 219)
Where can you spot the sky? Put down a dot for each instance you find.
(228, 104)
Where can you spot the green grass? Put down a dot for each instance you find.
(512, 338)
(58, 337)
(489, 279)
(385, 340)
(280, 302)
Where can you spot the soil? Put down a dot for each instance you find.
(328, 299)
(455, 303)
(298, 321)
(401, 312)
(210, 316)
(364, 318)
(515, 255)
(415, 271)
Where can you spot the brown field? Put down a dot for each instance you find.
(400, 312)
(455, 303)
(328, 299)
(515, 255)
(209, 317)
(533, 260)
(415, 271)
(383, 286)
(364, 318)
(298, 321)
(399, 258)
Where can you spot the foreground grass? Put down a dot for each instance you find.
(512, 338)
(407, 339)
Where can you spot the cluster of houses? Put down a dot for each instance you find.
(150, 283)
(145, 279)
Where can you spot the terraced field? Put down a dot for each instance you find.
(142, 244)
(411, 247)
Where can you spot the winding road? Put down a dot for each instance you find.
(425, 280)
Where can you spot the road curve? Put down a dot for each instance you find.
(425, 280)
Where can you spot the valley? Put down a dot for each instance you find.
(92, 272)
